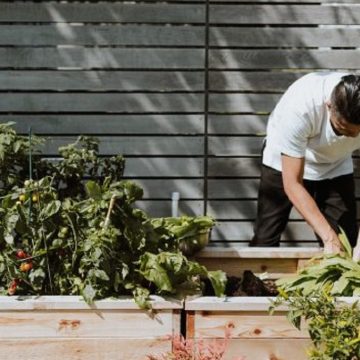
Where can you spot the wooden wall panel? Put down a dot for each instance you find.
(102, 12)
(134, 74)
(294, 14)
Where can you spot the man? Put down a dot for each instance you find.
(307, 161)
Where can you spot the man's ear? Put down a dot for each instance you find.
(328, 104)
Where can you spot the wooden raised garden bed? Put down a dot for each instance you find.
(255, 334)
(276, 262)
(65, 327)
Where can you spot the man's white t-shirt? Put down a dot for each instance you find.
(300, 127)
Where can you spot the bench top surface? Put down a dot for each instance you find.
(78, 303)
(260, 252)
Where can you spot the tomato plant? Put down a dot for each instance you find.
(76, 230)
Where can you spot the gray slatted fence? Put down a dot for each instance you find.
(181, 88)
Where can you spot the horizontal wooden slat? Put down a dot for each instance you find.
(237, 124)
(102, 80)
(237, 103)
(70, 302)
(284, 14)
(257, 253)
(233, 188)
(112, 102)
(275, 81)
(164, 167)
(72, 324)
(136, 145)
(225, 146)
(275, 268)
(272, 349)
(248, 325)
(239, 167)
(242, 188)
(243, 231)
(82, 349)
(230, 167)
(162, 188)
(283, 245)
(112, 58)
(102, 12)
(271, 37)
(284, 59)
(162, 208)
(107, 124)
(95, 35)
(244, 210)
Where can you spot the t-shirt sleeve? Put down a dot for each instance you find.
(295, 132)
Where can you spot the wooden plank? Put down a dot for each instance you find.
(66, 302)
(283, 59)
(242, 188)
(244, 146)
(303, 254)
(243, 210)
(128, 124)
(274, 81)
(239, 304)
(112, 102)
(283, 244)
(103, 12)
(234, 167)
(102, 80)
(237, 124)
(164, 167)
(162, 188)
(246, 325)
(240, 103)
(284, 14)
(272, 37)
(102, 35)
(272, 349)
(274, 268)
(136, 145)
(89, 58)
(233, 188)
(162, 208)
(82, 349)
(244, 231)
(120, 324)
(242, 166)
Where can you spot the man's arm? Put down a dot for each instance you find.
(292, 174)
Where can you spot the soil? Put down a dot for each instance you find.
(248, 285)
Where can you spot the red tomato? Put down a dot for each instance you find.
(21, 254)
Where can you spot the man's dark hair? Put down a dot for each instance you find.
(346, 98)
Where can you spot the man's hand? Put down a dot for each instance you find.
(332, 246)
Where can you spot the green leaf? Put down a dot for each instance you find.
(37, 278)
(101, 274)
(345, 243)
(9, 239)
(93, 190)
(50, 209)
(339, 286)
(89, 294)
(294, 317)
(218, 281)
(151, 269)
(141, 297)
